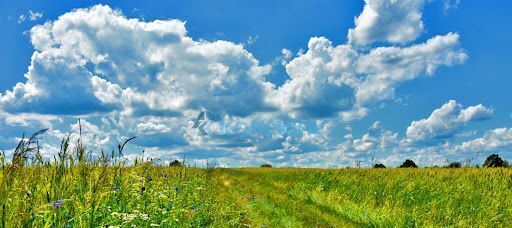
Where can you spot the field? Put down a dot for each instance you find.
(72, 191)
(93, 195)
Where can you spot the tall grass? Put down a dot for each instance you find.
(74, 190)
(430, 197)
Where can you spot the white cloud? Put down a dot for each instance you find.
(377, 138)
(491, 140)
(153, 69)
(386, 67)
(446, 121)
(328, 79)
(151, 128)
(156, 69)
(388, 21)
(450, 4)
(28, 119)
(21, 19)
(34, 16)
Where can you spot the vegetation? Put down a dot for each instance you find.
(379, 165)
(408, 164)
(454, 165)
(176, 163)
(72, 191)
(266, 166)
(494, 160)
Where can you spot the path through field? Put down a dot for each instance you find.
(369, 198)
(273, 203)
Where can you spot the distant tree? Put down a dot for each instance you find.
(379, 165)
(408, 164)
(266, 166)
(495, 161)
(454, 165)
(175, 163)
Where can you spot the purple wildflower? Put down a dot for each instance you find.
(57, 203)
(166, 175)
(254, 198)
(116, 188)
(176, 188)
(150, 179)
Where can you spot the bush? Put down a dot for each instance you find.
(454, 165)
(175, 163)
(379, 166)
(408, 164)
(495, 161)
(266, 166)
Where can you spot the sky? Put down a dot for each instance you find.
(291, 83)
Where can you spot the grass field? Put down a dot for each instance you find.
(146, 195)
(73, 191)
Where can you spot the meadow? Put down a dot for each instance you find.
(73, 191)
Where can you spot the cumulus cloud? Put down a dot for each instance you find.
(491, 140)
(328, 79)
(377, 138)
(81, 65)
(151, 128)
(388, 21)
(153, 68)
(446, 121)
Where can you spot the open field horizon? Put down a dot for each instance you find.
(290, 113)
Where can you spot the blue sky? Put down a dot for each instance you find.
(302, 83)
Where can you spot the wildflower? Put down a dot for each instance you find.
(254, 198)
(193, 207)
(129, 217)
(176, 188)
(166, 175)
(144, 216)
(143, 188)
(169, 207)
(57, 203)
(116, 188)
(150, 179)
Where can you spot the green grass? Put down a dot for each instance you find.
(283, 197)
(107, 193)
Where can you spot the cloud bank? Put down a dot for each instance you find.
(130, 77)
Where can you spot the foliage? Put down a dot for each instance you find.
(454, 165)
(379, 165)
(266, 166)
(176, 163)
(495, 160)
(408, 164)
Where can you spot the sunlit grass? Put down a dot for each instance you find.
(73, 191)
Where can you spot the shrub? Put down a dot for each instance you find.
(408, 164)
(266, 166)
(379, 165)
(454, 165)
(175, 163)
(495, 161)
